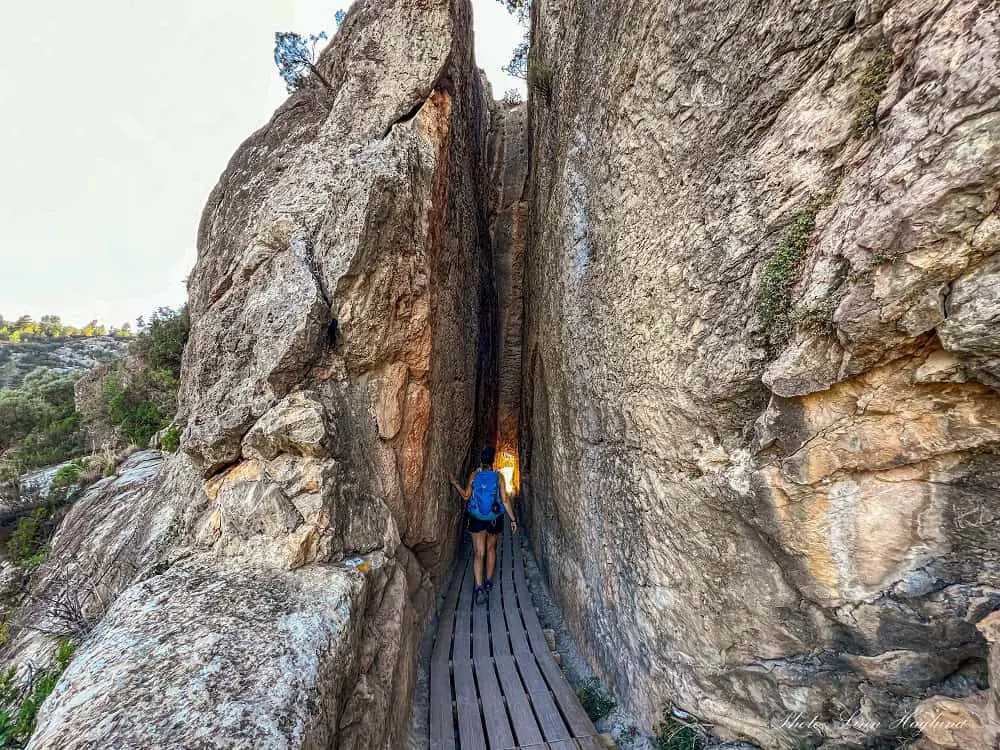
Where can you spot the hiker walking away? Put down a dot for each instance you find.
(484, 494)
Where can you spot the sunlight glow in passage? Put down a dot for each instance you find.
(507, 464)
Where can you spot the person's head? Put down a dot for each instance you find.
(486, 459)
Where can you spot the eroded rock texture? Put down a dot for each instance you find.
(328, 391)
(761, 420)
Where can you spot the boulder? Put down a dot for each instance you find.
(235, 656)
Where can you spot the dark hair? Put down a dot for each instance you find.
(487, 456)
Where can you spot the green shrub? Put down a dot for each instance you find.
(139, 417)
(871, 87)
(595, 699)
(774, 292)
(142, 402)
(675, 735)
(39, 425)
(161, 344)
(63, 480)
(172, 439)
(540, 75)
(27, 541)
(19, 709)
(36, 559)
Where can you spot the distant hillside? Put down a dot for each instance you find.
(61, 355)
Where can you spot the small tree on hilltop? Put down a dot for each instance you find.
(518, 65)
(296, 58)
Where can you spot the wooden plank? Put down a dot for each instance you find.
(518, 706)
(491, 699)
(498, 728)
(579, 722)
(508, 594)
(470, 725)
(480, 632)
(550, 721)
(498, 625)
(549, 717)
(442, 716)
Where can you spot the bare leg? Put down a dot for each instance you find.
(491, 555)
(478, 550)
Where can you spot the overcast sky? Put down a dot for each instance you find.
(118, 117)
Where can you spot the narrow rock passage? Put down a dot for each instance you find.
(494, 681)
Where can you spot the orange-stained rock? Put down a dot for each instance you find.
(414, 446)
(391, 400)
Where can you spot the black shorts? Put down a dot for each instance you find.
(477, 524)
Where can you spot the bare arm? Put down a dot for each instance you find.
(465, 492)
(506, 504)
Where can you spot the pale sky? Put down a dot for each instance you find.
(118, 116)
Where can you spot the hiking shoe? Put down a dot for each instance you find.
(480, 595)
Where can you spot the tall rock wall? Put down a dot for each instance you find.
(761, 413)
(339, 350)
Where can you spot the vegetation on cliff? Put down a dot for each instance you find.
(774, 292)
(39, 423)
(140, 391)
(19, 705)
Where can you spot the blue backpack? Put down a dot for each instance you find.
(485, 501)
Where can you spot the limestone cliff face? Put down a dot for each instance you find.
(329, 390)
(761, 419)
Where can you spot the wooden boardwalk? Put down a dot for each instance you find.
(494, 682)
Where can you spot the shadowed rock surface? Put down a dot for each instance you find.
(761, 423)
(508, 236)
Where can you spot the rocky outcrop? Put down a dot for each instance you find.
(728, 285)
(761, 419)
(28, 492)
(113, 532)
(240, 657)
(950, 724)
(329, 389)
